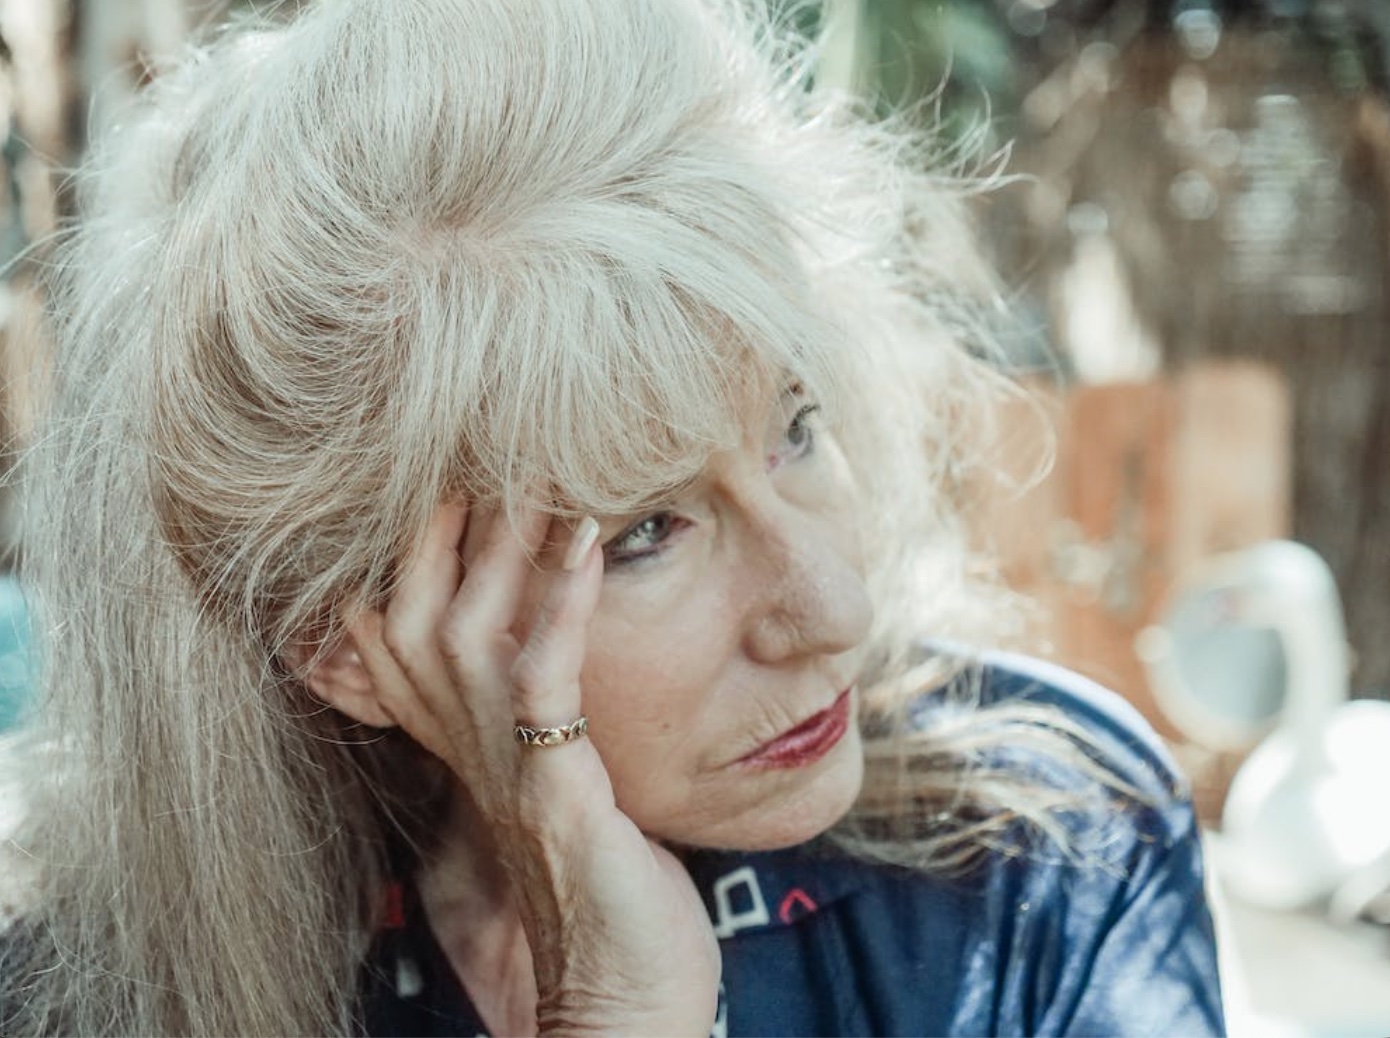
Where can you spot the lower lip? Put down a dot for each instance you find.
(808, 742)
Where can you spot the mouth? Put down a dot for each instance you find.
(806, 743)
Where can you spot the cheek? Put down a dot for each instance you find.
(648, 691)
(829, 491)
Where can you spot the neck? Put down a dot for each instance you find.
(471, 910)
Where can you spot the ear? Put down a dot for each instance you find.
(340, 680)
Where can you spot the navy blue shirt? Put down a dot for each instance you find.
(1118, 942)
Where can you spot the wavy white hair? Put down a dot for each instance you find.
(333, 271)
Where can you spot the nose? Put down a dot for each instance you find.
(806, 588)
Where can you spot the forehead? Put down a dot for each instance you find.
(612, 384)
(759, 412)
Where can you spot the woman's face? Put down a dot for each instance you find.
(719, 676)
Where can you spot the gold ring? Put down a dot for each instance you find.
(529, 736)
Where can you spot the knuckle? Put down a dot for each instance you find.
(462, 644)
(455, 635)
(528, 673)
(396, 635)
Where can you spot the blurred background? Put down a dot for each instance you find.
(1194, 228)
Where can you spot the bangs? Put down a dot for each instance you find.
(604, 360)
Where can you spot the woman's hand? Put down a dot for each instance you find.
(619, 938)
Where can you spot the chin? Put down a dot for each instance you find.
(800, 805)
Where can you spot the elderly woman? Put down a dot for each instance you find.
(493, 559)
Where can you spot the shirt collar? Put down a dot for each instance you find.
(752, 892)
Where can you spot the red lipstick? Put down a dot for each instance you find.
(809, 741)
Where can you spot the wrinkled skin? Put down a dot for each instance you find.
(698, 633)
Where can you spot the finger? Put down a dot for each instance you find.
(393, 688)
(476, 640)
(545, 676)
(483, 530)
(430, 578)
(498, 562)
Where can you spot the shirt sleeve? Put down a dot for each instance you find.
(1138, 940)
(1149, 965)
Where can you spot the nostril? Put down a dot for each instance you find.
(824, 611)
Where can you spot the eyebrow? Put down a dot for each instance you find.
(666, 497)
(793, 387)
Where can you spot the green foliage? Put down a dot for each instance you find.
(925, 48)
(948, 62)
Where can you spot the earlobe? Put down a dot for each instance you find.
(340, 680)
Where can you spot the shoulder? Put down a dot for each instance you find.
(1119, 800)
(1114, 940)
(1040, 727)
(1134, 921)
(1115, 936)
(1120, 737)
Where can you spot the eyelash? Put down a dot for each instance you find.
(670, 523)
(799, 423)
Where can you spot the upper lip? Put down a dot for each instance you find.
(809, 719)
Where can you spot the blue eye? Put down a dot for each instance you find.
(642, 539)
(800, 435)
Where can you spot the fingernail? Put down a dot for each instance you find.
(584, 536)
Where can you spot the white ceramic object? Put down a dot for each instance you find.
(1256, 646)
(1307, 815)
(1255, 639)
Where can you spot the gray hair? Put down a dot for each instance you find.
(334, 271)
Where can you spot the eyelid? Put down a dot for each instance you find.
(800, 421)
(636, 519)
(625, 530)
(673, 526)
